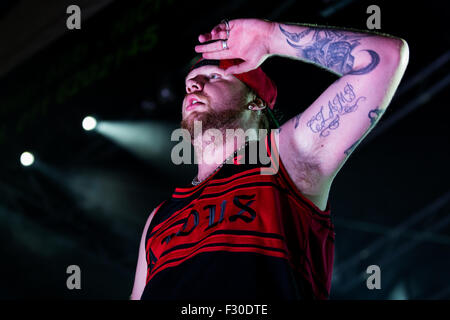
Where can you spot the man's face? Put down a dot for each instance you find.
(221, 99)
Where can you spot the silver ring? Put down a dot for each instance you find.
(227, 25)
(224, 45)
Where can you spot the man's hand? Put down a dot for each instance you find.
(249, 40)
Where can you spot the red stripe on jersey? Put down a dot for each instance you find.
(246, 211)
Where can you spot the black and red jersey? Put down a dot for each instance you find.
(246, 232)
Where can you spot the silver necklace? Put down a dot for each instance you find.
(196, 182)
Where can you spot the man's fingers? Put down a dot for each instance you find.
(210, 47)
(218, 55)
(212, 36)
(240, 68)
(204, 37)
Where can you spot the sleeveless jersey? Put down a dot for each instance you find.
(246, 232)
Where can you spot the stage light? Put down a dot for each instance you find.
(26, 159)
(166, 94)
(146, 139)
(89, 123)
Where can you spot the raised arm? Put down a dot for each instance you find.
(370, 67)
(318, 141)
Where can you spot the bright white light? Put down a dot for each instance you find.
(26, 159)
(147, 139)
(89, 123)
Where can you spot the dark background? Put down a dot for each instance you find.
(86, 199)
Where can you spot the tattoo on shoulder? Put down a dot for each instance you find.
(331, 49)
(328, 118)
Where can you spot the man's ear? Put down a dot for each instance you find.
(257, 104)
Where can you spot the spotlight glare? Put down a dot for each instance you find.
(165, 93)
(89, 123)
(26, 159)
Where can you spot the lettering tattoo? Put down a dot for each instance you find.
(328, 119)
(373, 115)
(331, 49)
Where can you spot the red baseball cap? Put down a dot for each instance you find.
(256, 79)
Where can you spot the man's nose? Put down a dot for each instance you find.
(194, 85)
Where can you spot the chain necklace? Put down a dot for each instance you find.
(196, 182)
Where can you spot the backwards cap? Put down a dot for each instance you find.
(256, 79)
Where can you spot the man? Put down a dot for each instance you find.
(239, 232)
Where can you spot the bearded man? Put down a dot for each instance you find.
(262, 229)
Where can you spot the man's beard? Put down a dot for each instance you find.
(210, 119)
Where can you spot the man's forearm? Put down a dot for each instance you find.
(339, 51)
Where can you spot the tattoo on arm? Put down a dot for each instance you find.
(297, 120)
(373, 115)
(352, 147)
(331, 49)
(328, 118)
